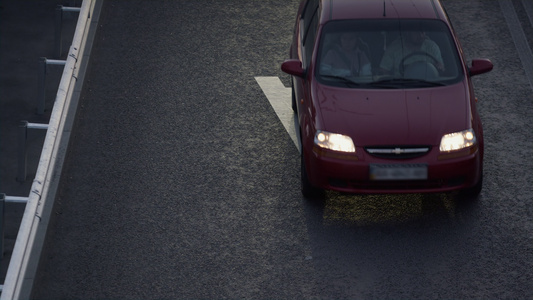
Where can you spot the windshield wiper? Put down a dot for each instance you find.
(399, 82)
(343, 79)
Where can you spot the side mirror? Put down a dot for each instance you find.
(293, 67)
(480, 66)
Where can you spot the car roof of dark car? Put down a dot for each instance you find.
(373, 9)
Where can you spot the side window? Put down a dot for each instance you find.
(310, 26)
(309, 11)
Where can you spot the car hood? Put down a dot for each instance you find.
(396, 116)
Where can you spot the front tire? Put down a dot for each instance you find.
(474, 191)
(309, 191)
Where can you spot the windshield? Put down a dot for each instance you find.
(387, 54)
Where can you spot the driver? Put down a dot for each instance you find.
(408, 47)
(347, 58)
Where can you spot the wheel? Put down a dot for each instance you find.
(309, 191)
(474, 191)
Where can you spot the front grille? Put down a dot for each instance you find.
(398, 152)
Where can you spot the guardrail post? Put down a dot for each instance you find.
(2, 203)
(43, 70)
(23, 134)
(23, 153)
(41, 98)
(59, 28)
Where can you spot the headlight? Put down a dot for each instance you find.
(334, 141)
(457, 140)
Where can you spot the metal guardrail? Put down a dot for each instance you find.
(30, 238)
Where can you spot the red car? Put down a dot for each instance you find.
(384, 99)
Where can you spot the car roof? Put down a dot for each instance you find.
(373, 9)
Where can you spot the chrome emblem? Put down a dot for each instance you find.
(397, 151)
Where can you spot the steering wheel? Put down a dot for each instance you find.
(424, 53)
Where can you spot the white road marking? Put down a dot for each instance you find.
(279, 97)
(519, 37)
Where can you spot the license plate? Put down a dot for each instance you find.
(398, 172)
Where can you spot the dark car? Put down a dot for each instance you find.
(384, 99)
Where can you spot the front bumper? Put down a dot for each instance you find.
(351, 172)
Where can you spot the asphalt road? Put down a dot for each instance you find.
(181, 182)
